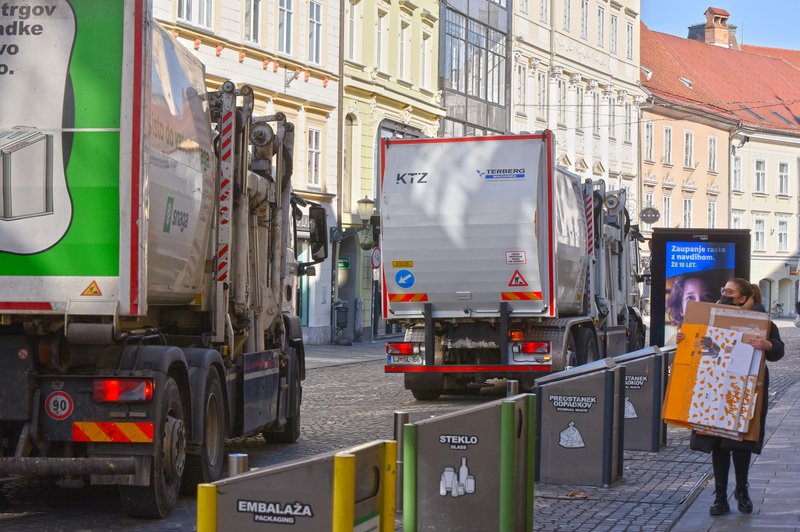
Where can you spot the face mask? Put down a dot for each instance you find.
(725, 300)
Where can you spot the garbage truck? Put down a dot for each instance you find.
(148, 239)
(500, 264)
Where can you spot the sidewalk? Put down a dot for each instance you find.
(774, 480)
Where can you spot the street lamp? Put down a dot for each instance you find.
(365, 208)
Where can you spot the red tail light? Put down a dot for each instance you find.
(539, 348)
(399, 348)
(122, 390)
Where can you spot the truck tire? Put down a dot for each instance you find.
(159, 498)
(207, 466)
(586, 346)
(291, 430)
(425, 395)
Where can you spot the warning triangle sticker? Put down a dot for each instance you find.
(92, 290)
(517, 279)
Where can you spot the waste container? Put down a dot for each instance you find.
(579, 425)
(645, 383)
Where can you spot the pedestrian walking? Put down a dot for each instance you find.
(737, 292)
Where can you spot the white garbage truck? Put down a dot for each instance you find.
(499, 264)
(147, 257)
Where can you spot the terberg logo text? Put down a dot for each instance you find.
(502, 174)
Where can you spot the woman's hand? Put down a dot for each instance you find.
(760, 343)
(679, 336)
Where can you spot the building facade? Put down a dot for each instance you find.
(388, 91)
(288, 51)
(575, 71)
(742, 104)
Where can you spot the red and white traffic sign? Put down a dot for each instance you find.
(58, 405)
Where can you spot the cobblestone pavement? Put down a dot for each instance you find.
(349, 404)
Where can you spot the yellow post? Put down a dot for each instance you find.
(344, 492)
(389, 482)
(206, 508)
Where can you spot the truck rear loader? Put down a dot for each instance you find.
(147, 263)
(499, 264)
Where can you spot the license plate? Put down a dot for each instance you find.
(405, 359)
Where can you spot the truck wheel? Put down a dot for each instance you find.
(291, 431)
(586, 346)
(158, 499)
(207, 466)
(425, 395)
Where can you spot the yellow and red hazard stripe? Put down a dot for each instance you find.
(521, 296)
(113, 432)
(407, 298)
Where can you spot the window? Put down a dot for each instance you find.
(667, 145)
(584, 19)
(252, 21)
(496, 60)
(522, 75)
(665, 215)
(687, 212)
(523, 6)
(613, 45)
(648, 141)
(711, 219)
(285, 26)
(758, 234)
(314, 31)
(455, 44)
(562, 102)
(353, 25)
(541, 95)
(476, 52)
(402, 50)
(382, 34)
(783, 178)
(712, 154)
(736, 220)
(629, 40)
(612, 118)
(736, 180)
(761, 176)
(783, 235)
(579, 94)
(648, 202)
(688, 149)
(601, 27)
(567, 17)
(628, 122)
(314, 156)
(543, 9)
(596, 113)
(197, 11)
(425, 62)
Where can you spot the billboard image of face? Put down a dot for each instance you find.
(694, 271)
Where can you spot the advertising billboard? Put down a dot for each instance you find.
(691, 265)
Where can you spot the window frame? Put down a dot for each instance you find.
(712, 154)
(760, 177)
(403, 51)
(688, 149)
(629, 40)
(711, 215)
(783, 178)
(736, 174)
(666, 202)
(783, 235)
(585, 20)
(382, 32)
(252, 22)
(204, 9)
(649, 137)
(314, 156)
(567, 21)
(285, 22)
(667, 159)
(601, 26)
(688, 204)
(315, 33)
(759, 235)
(613, 29)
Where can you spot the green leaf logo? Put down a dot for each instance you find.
(168, 215)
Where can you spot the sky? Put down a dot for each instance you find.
(774, 23)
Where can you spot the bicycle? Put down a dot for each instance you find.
(777, 309)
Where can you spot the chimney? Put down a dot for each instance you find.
(717, 31)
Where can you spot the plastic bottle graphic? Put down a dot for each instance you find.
(38, 208)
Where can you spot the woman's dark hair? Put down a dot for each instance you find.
(743, 286)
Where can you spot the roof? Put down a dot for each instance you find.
(758, 89)
(718, 11)
(790, 56)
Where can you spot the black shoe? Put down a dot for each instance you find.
(720, 505)
(743, 498)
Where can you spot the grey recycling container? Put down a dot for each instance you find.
(645, 384)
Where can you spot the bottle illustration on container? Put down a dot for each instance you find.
(34, 198)
(455, 483)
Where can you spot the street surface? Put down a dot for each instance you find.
(348, 400)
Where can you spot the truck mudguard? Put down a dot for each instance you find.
(294, 333)
(201, 361)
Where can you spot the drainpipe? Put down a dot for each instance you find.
(339, 170)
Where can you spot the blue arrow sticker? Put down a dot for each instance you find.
(404, 279)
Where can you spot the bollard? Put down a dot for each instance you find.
(512, 388)
(237, 464)
(400, 419)
(206, 508)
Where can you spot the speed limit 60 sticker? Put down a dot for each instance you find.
(58, 405)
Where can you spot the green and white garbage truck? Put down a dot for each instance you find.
(147, 229)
